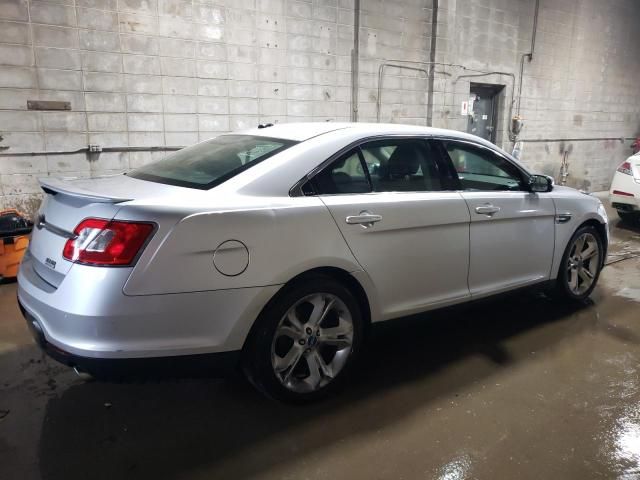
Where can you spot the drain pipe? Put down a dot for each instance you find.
(355, 61)
(528, 55)
(432, 60)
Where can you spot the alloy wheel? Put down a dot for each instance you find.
(583, 263)
(312, 342)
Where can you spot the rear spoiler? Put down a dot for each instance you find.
(54, 186)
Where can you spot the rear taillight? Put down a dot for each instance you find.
(107, 242)
(625, 168)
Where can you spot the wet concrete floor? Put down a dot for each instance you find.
(516, 387)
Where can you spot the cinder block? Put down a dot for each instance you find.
(64, 121)
(19, 55)
(99, 4)
(47, 13)
(17, 165)
(97, 19)
(297, 108)
(273, 107)
(102, 62)
(60, 58)
(19, 184)
(181, 139)
(213, 105)
(243, 106)
(213, 123)
(212, 88)
(243, 89)
(106, 122)
(240, 19)
(99, 41)
(146, 139)
(144, 122)
(76, 99)
(13, 32)
(14, 10)
(212, 51)
(59, 37)
(18, 77)
(144, 103)
(176, 27)
(176, 47)
(177, 67)
(109, 163)
(242, 122)
(241, 54)
(212, 69)
(103, 139)
(272, 90)
(59, 141)
(148, 7)
(175, 8)
(143, 84)
(103, 82)
(68, 165)
(19, 121)
(206, 32)
(59, 79)
(209, 14)
(180, 103)
(179, 85)
(180, 123)
(242, 71)
(140, 24)
(15, 99)
(141, 64)
(140, 44)
(104, 102)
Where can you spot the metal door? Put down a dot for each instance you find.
(482, 112)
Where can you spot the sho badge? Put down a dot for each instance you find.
(50, 263)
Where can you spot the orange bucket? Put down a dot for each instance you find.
(14, 240)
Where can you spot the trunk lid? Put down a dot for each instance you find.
(65, 205)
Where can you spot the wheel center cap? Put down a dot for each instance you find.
(312, 341)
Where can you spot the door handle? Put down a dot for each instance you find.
(487, 209)
(365, 219)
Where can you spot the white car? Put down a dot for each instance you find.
(281, 245)
(625, 190)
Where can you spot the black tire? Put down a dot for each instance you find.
(562, 289)
(257, 353)
(629, 217)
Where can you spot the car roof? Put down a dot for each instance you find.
(302, 131)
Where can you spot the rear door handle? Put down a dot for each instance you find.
(487, 209)
(365, 219)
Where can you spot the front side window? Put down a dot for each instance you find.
(479, 169)
(211, 163)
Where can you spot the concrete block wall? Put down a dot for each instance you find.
(172, 72)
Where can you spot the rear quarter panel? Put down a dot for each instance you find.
(284, 237)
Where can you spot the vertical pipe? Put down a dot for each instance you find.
(432, 59)
(355, 61)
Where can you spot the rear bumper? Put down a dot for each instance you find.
(88, 317)
(189, 365)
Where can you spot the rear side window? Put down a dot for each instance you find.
(382, 166)
(211, 163)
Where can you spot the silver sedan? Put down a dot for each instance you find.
(278, 247)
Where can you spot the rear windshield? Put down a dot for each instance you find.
(211, 163)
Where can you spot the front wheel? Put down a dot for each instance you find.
(305, 342)
(581, 264)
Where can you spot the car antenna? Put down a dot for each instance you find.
(265, 125)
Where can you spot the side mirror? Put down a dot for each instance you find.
(540, 183)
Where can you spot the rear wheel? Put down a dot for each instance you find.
(581, 264)
(629, 217)
(305, 342)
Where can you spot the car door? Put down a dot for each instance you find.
(407, 231)
(512, 229)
